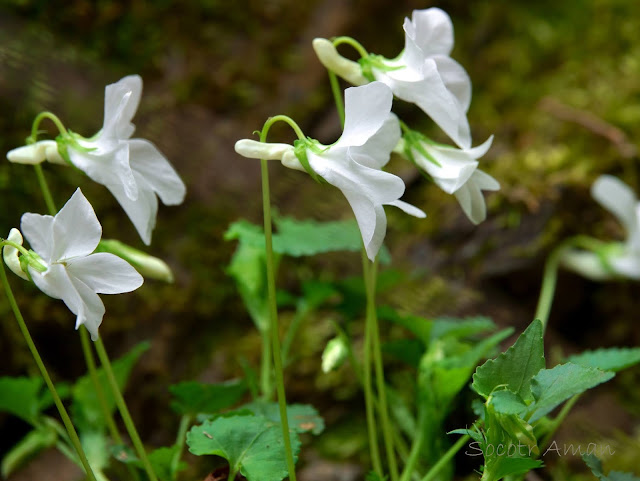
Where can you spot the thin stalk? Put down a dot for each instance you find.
(39, 118)
(446, 457)
(372, 317)
(337, 95)
(185, 421)
(124, 411)
(73, 435)
(353, 43)
(271, 285)
(265, 366)
(414, 456)
(369, 399)
(559, 419)
(46, 193)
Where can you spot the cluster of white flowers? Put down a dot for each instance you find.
(423, 74)
(64, 265)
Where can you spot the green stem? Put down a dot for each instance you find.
(48, 199)
(369, 399)
(73, 435)
(337, 95)
(124, 411)
(271, 285)
(39, 118)
(446, 457)
(185, 421)
(559, 420)
(353, 43)
(550, 275)
(265, 366)
(372, 317)
(414, 456)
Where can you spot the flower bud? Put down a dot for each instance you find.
(36, 153)
(334, 354)
(10, 254)
(261, 150)
(332, 60)
(149, 266)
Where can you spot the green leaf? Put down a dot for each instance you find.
(20, 397)
(472, 433)
(409, 351)
(192, 397)
(302, 417)
(592, 461)
(251, 444)
(514, 368)
(507, 402)
(161, 460)
(95, 445)
(417, 325)
(85, 407)
(612, 359)
(461, 328)
(509, 466)
(551, 387)
(28, 447)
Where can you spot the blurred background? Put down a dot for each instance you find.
(556, 83)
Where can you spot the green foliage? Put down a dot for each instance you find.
(550, 387)
(33, 443)
(86, 410)
(302, 417)
(515, 368)
(21, 396)
(252, 445)
(163, 460)
(193, 398)
(612, 359)
(595, 465)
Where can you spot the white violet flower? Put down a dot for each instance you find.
(423, 73)
(65, 245)
(614, 259)
(133, 170)
(353, 163)
(454, 170)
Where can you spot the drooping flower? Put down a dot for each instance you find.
(612, 259)
(133, 170)
(423, 73)
(454, 170)
(353, 163)
(65, 245)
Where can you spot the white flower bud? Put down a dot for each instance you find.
(149, 266)
(261, 150)
(332, 60)
(334, 354)
(10, 254)
(36, 153)
(290, 160)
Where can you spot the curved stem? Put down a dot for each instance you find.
(73, 435)
(446, 457)
(271, 285)
(337, 95)
(124, 411)
(369, 399)
(39, 118)
(353, 43)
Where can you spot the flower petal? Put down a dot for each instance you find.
(253, 149)
(618, 198)
(376, 151)
(105, 273)
(627, 265)
(147, 161)
(455, 78)
(142, 211)
(430, 31)
(367, 108)
(76, 230)
(121, 101)
(38, 230)
(10, 254)
(587, 264)
(408, 208)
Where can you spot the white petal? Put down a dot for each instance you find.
(146, 160)
(30, 154)
(367, 108)
(587, 264)
(432, 31)
(142, 212)
(76, 230)
(105, 273)
(291, 161)
(618, 198)
(91, 309)
(408, 208)
(470, 195)
(253, 149)
(10, 254)
(455, 78)
(375, 153)
(38, 230)
(484, 181)
(332, 60)
(108, 164)
(372, 222)
(628, 265)
(121, 101)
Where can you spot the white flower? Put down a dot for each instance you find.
(65, 244)
(36, 153)
(456, 172)
(353, 163)
(425, 74)
(614, 259)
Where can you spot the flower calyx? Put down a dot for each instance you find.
(300, 147)
(19, 264)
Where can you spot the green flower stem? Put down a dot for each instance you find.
(73, 435)
(265, 366)
(39, 118)
(46, 193)
(271, 285)
(372, 319)
(559, 419)
(337, 95)
(550, 275)
(185, 422)
(414, 456)
(353, 43)
(124, 411)
(369, 399)
(446, 457)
